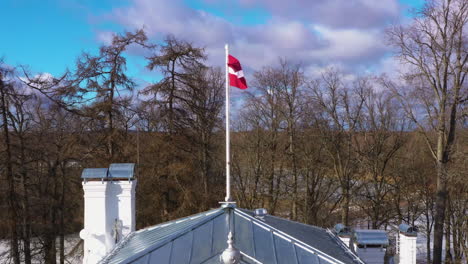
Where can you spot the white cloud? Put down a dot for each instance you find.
(300, 38)
(349, 44)
(334, 13)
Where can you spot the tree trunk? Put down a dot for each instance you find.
(441, 198)
(110, 123)
(429, 232)
(306, 200)
(14, 249)
(345, 206)
(205, 168)
(448, 232)
(294, 171)
(25, 206)
(62, 217)
(49, 249)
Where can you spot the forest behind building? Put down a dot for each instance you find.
(320, 148)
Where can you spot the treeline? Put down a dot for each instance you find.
(321, 149)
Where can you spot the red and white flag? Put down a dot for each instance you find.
(236, 75)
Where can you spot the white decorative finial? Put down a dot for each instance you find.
(231, 255)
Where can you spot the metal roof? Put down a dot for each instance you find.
(311, 244)
(172, 242)
(202, 238)
(371, 237)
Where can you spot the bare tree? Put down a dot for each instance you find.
(21, 123)
(435, 48)
(5, 92)
(380, 135)
(320, 199)
(187, 98)
(267, 107)
(105, 76)
(249, 156)
(339, 108)
(202, 100)
(291, 93)
(176, 60)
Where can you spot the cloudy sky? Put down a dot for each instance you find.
(48, 35)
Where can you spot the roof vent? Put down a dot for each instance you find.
(260, 213)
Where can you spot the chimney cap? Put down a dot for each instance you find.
(371, 237)
(114, 172)
(121, 171)
(94, 173)
(408, 230)
(342, 230)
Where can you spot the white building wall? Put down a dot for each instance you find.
(407, 249)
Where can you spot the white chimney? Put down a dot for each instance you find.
(407, 244)
(109, 209)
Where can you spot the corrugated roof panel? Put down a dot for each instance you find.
(243, 235)
(142, 260)
(162, 254)
(182, 249)
(220, 233)
(202, 243)
(150, 239)
(285, 252)
(305, 257)
(263, 242)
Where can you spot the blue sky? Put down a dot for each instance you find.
(48, 35)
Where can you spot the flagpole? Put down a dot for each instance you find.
(228, 154)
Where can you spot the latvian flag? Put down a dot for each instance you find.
(236, 75)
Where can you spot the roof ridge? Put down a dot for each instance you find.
(289, 220)
(296, 222)
(206, 213)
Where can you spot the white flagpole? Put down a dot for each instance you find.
(228, 154)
